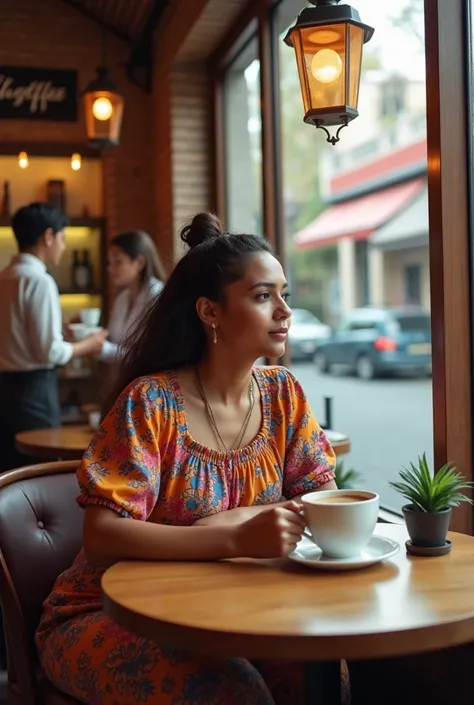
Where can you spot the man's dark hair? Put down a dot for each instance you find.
(30, 222)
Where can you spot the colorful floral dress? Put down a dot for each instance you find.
(144, 465)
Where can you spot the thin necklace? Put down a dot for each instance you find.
(212, 421)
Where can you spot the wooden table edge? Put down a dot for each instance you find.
(308, 647)
(341, 447)
(50, 452)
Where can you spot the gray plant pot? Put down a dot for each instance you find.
(427, 528)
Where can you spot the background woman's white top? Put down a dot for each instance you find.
(123, 316)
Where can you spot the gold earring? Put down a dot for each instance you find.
(214, 333)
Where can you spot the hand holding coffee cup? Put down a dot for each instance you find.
(341, 522)
(90, 317)
(273, 533)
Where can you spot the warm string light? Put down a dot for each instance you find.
(23, 160)
(76, 162)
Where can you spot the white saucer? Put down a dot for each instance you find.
(378, 549)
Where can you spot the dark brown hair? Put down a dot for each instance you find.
(170, 334)
(135, 243)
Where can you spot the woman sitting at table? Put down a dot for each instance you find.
(135, 269)
(191, 462)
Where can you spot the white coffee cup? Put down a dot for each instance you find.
(78, 331)
(341, 522)
(90, 316)
(94, 420)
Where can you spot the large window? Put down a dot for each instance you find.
(356, 229)
(364, 227)
(243, 150)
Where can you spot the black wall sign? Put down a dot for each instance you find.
(38, 94)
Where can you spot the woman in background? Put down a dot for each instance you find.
(135, 269)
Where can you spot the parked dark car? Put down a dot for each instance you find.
(377, 341)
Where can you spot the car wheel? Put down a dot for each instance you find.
(321, 362)
(365, 367)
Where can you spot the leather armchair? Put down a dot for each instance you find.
(40, 535)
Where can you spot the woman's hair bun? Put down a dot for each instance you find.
(204, 226)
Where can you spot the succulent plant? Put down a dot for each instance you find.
(432, 492)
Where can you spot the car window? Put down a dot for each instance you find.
(413, 322)
(344, 325)
(363, 325)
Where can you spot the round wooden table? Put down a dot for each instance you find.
(66, 442)
(275, 609)
(339, 441)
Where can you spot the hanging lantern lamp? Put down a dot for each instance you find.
(328, 40)
(103, 107)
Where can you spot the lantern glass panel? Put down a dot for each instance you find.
(322, 66)
(356, 43)
(103, 130)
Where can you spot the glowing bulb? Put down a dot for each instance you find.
(76, 162)
(23, 160)
(326, 66)
(102, 108)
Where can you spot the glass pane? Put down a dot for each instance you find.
(243, 149)
(355, 61)
(356, 225)
(411, 323)
(324, 58)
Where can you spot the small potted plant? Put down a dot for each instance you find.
(431, 497)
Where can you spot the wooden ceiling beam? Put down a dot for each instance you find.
(138, 14)
(84, 9)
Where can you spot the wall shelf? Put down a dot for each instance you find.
(80, 292)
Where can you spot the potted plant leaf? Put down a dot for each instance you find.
(345, 478)
(431, 497)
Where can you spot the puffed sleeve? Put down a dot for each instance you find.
(309, 457)
(121, 468)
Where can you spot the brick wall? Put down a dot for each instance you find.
(53, 35)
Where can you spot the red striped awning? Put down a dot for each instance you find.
(359, 217)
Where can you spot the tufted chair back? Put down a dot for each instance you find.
(40, 535)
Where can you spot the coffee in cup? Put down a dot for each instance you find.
(341, 522)
(341, 499)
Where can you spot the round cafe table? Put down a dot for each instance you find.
(70, 442)
(340, 442)
(279, 610)
(66, 442)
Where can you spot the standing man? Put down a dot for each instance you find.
(31, 340)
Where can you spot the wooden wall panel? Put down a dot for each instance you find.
(190, 143)
(184, 150)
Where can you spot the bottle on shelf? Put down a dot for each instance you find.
(87, 264)
(5, 210)
(80, 274)
(56, 194)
